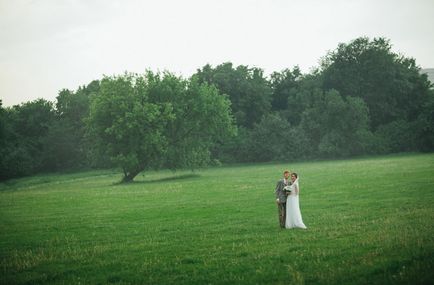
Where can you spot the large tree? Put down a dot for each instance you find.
(157, 120)
(284, 84)
(389, 83)
(271, 140)
(247, 88)
(336, 126)
(65, 140)
(22, 139)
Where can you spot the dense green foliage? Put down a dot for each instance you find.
(363, 99)
(369, 222)
(390, 84)
(247, 88)
(37, 136)
(151, 121)
(24, 130)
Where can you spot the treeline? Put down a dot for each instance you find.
(362, 99)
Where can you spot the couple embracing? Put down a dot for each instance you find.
(287, 193)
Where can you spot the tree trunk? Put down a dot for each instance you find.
(129, 176)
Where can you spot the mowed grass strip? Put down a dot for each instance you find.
(370, 221)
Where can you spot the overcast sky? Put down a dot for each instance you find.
(48, 45)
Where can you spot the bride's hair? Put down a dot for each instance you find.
(295, 174)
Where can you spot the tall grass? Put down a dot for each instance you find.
(370, 221)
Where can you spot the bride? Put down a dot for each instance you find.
(293, 214)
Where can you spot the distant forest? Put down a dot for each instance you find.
(363, 99)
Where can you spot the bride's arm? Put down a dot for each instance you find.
(296, 190)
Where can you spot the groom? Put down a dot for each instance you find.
(281, 197)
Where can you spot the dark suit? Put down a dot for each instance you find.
(281, 205)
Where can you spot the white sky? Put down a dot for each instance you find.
(48, 45)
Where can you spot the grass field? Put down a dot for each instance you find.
(370, 221)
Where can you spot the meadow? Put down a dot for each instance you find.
(370, 221)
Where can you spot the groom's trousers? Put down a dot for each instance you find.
(281, 207)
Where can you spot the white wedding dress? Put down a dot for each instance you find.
(293, 214)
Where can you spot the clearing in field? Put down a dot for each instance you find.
(370, 221)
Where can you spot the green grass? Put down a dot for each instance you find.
(370, 221)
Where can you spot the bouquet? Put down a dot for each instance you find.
(287, 189)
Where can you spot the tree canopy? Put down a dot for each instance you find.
(363, 99)
(247, 88)
(389, 83)
(157, 120)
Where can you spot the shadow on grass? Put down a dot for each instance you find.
(15, 184)
(164, 179)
